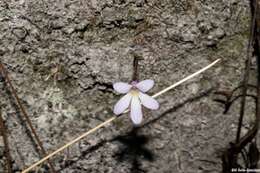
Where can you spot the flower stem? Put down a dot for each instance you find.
(135, 68)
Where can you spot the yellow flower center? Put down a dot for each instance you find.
(134, 92)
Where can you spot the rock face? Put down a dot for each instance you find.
(63, 57)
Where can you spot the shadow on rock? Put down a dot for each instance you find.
(133, 145)
(133, 150)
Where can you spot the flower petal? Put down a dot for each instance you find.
(136, 111)
(145, 85)
(148, 101)
(122, 104)
(122, 87)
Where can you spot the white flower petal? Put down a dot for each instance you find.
(122, 104)
(148, 101)
(145, 85)
(136, 111)
(122, 87)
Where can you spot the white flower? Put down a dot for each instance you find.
(134, 98)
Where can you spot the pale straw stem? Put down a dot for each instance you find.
(113, 118)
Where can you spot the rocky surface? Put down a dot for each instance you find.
(63, 57)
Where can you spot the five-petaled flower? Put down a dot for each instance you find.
(135, 97)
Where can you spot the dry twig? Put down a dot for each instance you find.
(3, 132)
(24, 113)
